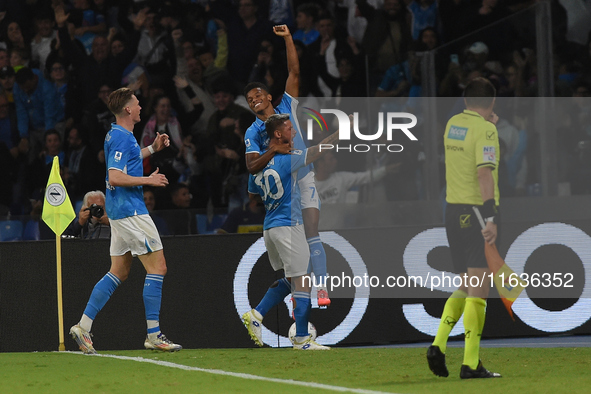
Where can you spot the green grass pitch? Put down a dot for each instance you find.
(399, 370)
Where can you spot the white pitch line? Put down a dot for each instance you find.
(236, 374)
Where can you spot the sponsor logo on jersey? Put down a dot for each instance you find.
(457, 133)
(489, 154)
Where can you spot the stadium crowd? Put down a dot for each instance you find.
(188, 61)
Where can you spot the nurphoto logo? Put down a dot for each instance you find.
(393, 125)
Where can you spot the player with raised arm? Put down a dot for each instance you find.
(284, 233)
(133, 232)
(259, 152)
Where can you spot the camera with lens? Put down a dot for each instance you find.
(96, 210)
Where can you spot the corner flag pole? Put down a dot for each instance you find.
(58, 213)
(60, 306)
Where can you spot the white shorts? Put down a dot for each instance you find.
(135, 234)
(309, 194)
(288, 249)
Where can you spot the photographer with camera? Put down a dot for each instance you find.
(93, 222)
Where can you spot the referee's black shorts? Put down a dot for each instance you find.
(464, 235)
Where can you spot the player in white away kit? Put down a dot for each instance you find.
(259, 152)
(284, 234)
(133, 232)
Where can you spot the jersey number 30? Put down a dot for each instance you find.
(263, 181)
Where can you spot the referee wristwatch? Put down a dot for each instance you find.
(490, 219)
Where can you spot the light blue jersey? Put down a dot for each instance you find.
(123, 153)
(257, 140)
(278, 187)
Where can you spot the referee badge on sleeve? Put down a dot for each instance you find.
(489, 153)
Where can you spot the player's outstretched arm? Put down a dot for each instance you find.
(292, 85)
(316, 151)
(255, 162)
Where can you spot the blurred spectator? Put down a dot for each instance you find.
(40, 167)
(11, 158)
(306, 17)
(429, 38)
(96, 121)
(19, 58)
(4, 60)
(181, 220)
(266, 58)
(156, 52)
(180, 196)
(484, 13)
(248, 218)
(100, 64)
(93, 220)
(512, 155)
(356, 23)
(225, 157)
(308, 74)
(185, 50)
(423, 14)
(37, 106)
(172, 161)
(477, 59)
(194, 98)
(281, 12)
(396, 81)
(331, 48)
(45, 33)
(7, 79)
(350, 81)
(387, 38)
(66, 89)
(15, 37)
(83, 169)
(87, 23)
(245, 34)
(150, 201)
(214, 68)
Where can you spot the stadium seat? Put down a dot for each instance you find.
(204, 226)
(11, 230)
(31, 232)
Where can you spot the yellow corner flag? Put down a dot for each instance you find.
(57, 208)
(58, 214)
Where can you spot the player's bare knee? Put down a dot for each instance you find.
(121, 274)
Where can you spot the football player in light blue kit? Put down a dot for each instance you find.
(259, 152)
(285, 239)
(133, 232)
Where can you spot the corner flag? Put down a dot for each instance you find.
(58, 214)
(57, 208)
(508, 283)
